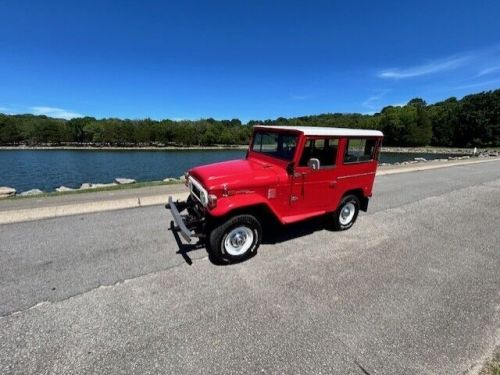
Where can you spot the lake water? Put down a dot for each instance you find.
(48, 169)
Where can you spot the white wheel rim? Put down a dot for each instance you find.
(347, 213)
(238, 241)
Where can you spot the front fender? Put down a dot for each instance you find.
(225, 205)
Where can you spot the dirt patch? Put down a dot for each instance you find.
(492, 367)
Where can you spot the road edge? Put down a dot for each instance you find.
(428, 166)
(40, 213)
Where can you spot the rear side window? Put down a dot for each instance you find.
(325, 150)
(359, 150)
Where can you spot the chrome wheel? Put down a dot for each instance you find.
(238, 241)
(347, 213)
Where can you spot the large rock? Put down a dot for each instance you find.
(31, 192)
(95, 186)
(6, 191)
(171, 179)
(124, 181)
(87, 185)
(62, 189)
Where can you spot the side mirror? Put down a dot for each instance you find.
(313, 163)
(290, 168)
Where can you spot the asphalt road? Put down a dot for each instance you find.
(412, 288)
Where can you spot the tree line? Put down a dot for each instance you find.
(471, 121)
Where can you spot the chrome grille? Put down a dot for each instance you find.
(197, 191)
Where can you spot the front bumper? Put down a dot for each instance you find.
(180, 224)
(189, 225)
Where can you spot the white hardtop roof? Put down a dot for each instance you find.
(319, 131)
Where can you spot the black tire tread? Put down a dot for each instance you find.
(336, 220)
(217, 233)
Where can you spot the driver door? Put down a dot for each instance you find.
(314, 180)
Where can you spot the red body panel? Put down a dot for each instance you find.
(263, 180)
(236, 174)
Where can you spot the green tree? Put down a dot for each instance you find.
(471, 121)
(76, 127)
(9, 134)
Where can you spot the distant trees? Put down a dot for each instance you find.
(472, 121)
(406, 126)
(479, 119)
(444, 117)
(37, 129)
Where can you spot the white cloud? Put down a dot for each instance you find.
(488, 70)
(484, 85)
(7, 111)
(373, 102)
(425, 69)
(54, 112)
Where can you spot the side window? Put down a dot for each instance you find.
(359, 150)
(275, 144)
(324, 149)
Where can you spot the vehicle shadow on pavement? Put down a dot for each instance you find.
(184, 249)
(275, 233)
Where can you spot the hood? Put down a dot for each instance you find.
(236, 174)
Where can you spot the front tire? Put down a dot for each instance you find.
(236, 239)
(346, 213)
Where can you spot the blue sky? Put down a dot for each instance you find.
(241, 59)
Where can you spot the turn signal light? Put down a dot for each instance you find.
(212, 201)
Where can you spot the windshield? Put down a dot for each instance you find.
(278, 145)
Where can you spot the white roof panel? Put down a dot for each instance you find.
(319, 131)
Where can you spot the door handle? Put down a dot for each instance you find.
(332, 184)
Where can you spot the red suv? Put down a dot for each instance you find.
(289, 174)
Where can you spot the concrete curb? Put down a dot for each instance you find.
(39, 213)
(425, 167)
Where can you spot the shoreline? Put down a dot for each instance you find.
(124, 148)
(109, 188)
(385, 149)
(383, 168)
(53, 205)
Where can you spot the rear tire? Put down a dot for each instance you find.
(346, 214)
(236, 239)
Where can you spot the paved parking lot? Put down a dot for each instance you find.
(414, 287)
